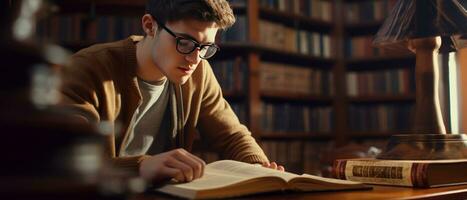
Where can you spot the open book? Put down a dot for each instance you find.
(228, 178)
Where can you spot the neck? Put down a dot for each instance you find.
(146, 69)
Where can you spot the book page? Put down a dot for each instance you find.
(247, 170)
(329, 180)
(213, 179)
(228, 172)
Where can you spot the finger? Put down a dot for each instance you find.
(200, 162)
(281, 168)
(266, 164)
(273, 165)
(185, 169)
(174, 173)
(196, 164)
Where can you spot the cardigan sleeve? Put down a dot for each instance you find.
(130, 164)
(219, 125)
(94, 83)
(82, 90)
(78, 90)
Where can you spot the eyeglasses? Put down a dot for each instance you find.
(186, 46)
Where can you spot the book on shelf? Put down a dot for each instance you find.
(287, 117)
(381, 82)
(367, 11)
(281, 37)
(381, 117)
(414, 173)
(314, 9)
(228, 178)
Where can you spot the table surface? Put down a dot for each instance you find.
(377, 193)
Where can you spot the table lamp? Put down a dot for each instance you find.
(426, 27)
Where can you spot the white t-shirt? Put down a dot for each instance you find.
(146, 121)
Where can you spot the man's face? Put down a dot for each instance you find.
(178, 67)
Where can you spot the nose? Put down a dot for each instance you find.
(193, 57)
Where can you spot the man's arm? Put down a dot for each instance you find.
(83, 93)
(78, 90)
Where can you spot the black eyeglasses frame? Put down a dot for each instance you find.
(197, 45)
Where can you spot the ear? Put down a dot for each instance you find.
(149, 25)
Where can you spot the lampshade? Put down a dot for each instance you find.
(411, 19)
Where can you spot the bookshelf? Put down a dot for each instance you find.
(379, 83)
(285, 64)
(275, 107)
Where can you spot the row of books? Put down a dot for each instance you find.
(297, 156)
(231, 74)
(285, 38)
(286, 117)
(361, 47)
(391, 81)
(237, 33)
(240, 110)
(386, 117)
(367, 11)
(75, 28)
(277, 77)
(315, 9)
(237, 3)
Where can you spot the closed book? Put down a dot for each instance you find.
(414, 173)
(228, 178)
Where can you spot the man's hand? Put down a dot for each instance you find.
(178, 164)
(273, 165)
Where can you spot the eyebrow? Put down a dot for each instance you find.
(187, 36)
(190, 37)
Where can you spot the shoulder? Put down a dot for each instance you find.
(114, 50)
(106, 58)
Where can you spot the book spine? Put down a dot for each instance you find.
(382, 172)
(419, 175)
(339, 169)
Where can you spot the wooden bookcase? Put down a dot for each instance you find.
(306, 148)
(383, 62)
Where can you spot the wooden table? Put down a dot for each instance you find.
(377, 193)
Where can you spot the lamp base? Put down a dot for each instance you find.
(425, 147)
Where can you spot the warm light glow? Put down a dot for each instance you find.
(44, 86)
(22, 29)
(86, 161)
(56, 54)
(453, 93)
(24, 26)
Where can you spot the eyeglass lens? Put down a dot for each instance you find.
(186, 46)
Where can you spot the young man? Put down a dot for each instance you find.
(156, 92)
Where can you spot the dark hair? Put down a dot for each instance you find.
(217, 11)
